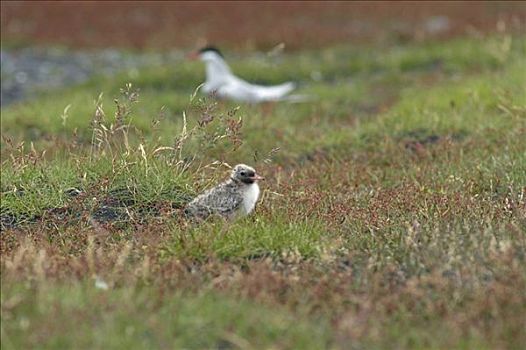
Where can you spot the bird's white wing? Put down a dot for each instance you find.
(273, 93)
(240, 90)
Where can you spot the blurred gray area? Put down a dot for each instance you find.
(27, 71)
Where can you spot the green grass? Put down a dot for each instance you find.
(392, 215)
(78, 315)
(277, 237)
(350, 79)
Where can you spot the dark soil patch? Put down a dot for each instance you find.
(9, 220)
(419, 139)
(119, 206)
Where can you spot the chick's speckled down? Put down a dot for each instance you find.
(224, 200)
(234, 197)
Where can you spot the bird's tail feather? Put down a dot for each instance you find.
(277, 92)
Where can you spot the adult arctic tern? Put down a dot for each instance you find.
(222, 83)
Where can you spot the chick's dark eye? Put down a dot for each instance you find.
(243, 173)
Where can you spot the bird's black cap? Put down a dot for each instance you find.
(211, 48)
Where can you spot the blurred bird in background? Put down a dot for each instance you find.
(222, 83)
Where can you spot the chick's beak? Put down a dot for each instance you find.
(257, 177)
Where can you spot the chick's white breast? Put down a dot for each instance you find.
(250, 197)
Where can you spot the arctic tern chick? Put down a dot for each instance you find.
(231, 199)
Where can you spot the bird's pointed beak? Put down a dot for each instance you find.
(194, 55)
(257, 177)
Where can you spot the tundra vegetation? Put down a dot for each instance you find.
(393, 214)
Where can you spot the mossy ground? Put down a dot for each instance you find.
(393, 214)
